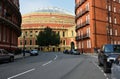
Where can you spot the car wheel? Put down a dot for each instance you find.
(11, 59)
(99, 63)
(106, 68)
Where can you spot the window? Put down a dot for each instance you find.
(4, 34)
(80, 10)
(30, 32)
(87, 19)
(64, 42)
(110, 31)
(115, 42)
(109, 8)
(72, 33)
(88, 44)
(119, 1)
(114, 9)
(26, 33)
(88, 32)
(79, 44)
(63, 34)
(82, 45)
(30, 35)
(82, 34)
(116, 32)
(20, 42)
(87, 7)
(115, 21)
(30, 42)
(80, 21)
(110, 19)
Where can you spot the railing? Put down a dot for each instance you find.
(84, 11)
(8, 22)
(81, 37)
(83, 24)
(79, 4)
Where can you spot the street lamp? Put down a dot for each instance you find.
(24, 46)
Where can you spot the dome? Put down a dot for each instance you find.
(52, 17)
(53, 10)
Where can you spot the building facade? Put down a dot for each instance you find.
(59, 20)
(10, 24)
(97, 23)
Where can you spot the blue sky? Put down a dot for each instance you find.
(27, 6)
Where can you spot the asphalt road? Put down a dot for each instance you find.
(53, 66)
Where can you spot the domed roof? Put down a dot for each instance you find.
(53, 10)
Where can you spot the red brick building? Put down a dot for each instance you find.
(97, 23)
(10, 24)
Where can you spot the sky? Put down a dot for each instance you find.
(27, 6)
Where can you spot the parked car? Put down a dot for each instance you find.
(116, 69)
(34, 52)
(6, 56)
(66, 51)
(75, 52)
(107, 55)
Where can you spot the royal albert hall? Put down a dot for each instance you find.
(10, 24)
(59, 20)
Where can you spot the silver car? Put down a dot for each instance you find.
(6, 56)
(34, 52)
(116, 69)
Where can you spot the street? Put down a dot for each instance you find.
(53, 66)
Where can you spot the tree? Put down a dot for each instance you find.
(48, 37)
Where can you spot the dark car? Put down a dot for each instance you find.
(6, 56)
(66, 51)
(107, 55)
(116, 69)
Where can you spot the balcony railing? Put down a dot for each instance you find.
(83, 24)
(8, 22)
(13, 8)
(79, 4)
(84, 11)
(81, 37)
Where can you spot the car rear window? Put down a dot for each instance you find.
(112, 48)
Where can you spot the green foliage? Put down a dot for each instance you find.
(48, 37)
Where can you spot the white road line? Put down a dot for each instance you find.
(101, 70)
(47, 63)
(21, 73)
(55, 57)
(50, 61)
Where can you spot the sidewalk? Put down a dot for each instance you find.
(21, 56)
(91, 54)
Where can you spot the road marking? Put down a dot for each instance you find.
(21, 73)
(101, 70)
(50, 61)
(55, 57)
(47, 63)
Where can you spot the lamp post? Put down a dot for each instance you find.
(24, 46)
